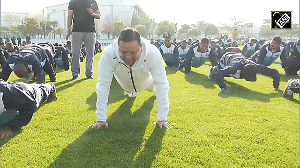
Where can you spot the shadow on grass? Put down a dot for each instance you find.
(285, 78)
(119, 145)
(236, 90)
(58, 89)
(116, 93)
(60, 69)
(294, 100)
(170, 70)
(62, 82)
(200, 79)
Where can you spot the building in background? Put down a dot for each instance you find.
(110, 10)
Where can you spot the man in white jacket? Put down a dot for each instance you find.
(137, 65)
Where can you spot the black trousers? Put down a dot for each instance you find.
(293, 65)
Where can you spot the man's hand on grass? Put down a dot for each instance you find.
(6, 133)
(98, 124)
(162, 124)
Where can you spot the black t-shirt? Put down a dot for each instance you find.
(82, 20)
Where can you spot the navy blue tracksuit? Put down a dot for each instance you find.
(232, 64)
(25, 98)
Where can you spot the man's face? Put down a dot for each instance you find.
(213, 44)
(69, 46)
(168, 42)
(10, 47)
(203, 47)
(183, 45)
(252, 42)
(274, 45)
(130, 51)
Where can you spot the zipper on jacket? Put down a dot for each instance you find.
(132, 80)
(131, 76)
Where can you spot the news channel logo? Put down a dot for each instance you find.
(281, 19)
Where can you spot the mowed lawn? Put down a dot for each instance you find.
(251, 126)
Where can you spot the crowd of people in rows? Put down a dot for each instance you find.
(33, 61)
(229, 60)
(136, 63)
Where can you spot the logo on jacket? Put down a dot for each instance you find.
(281, 19)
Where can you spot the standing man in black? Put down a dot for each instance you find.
(81, 14)
(19, 41)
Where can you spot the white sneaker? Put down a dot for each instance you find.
(132, 94)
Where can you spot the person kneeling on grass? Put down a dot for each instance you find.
(137, 65)
(293, 86)
(238, 66)
(18, 102)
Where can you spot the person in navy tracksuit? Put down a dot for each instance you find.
(250, 48)
(19, 101)
(182, 51)
(270, 52)
(238, 66)
(216, 48)
(198, 54)
(293, 64)
(61, 56)
(30, 59)
(169, 51)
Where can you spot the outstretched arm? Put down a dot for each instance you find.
(262, 55)
(188, 62)
(213, 58)
(69, 23)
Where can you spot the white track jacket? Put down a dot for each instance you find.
(147, 73)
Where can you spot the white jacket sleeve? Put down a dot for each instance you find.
(158, 72)
(105, 71)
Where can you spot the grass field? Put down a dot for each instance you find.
(251, 126)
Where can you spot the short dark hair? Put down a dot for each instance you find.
(129, 35)
(20, 69)
(277, 39)
(250, 72)
(205, 41)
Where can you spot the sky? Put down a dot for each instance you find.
(217, 12)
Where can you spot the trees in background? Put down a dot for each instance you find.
(118, 27)
(197, 29)
(210, 29)
(142, 29)
(37, 25)
(164, 27)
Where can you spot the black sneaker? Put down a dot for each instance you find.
(52, 79)
(75, 77)
(90, 77)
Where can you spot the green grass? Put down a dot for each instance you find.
(251, 126)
